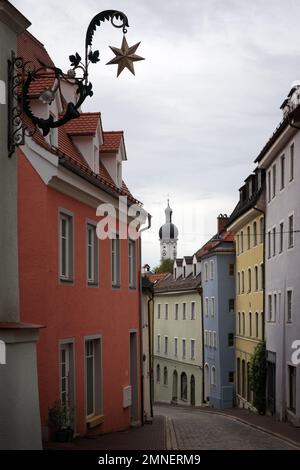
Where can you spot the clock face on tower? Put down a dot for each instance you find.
(164, 253)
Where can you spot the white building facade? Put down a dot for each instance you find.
(280, 159)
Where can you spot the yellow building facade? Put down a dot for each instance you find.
(247, 222)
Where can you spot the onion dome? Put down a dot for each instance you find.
(168, 231)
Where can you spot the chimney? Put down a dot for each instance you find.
(222, 221)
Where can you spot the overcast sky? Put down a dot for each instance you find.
(201, 105)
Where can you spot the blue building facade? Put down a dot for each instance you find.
(218, 293)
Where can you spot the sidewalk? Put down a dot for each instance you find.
(267, 423)
(147, 437)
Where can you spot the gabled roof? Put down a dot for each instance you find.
(214, 243)
(157, 278)
(111, 141)
(179, 262)
(86, 124)
(188, 259)
(180, 284)
(69, 156)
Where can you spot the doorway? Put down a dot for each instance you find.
(193, 393)
(175, 386)
(133, 377)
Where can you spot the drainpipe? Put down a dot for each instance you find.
(141, 318)
(150, 340)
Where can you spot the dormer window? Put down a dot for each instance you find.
(184, 271)
(195, 269)
(175, 273)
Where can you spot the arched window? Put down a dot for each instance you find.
(256, 277)
(254, 234)
(165, 376)
(183, 386)
(158, 373)
(249, 280)
(213, 375)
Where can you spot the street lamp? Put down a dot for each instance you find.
(21, 76)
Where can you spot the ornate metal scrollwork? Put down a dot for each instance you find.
(23, 75)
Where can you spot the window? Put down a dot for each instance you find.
(175, 273)
(230, 377)
(183, 386)
(274, 180)
(158, 343)
(195, 269)
(239, 284)
(166, 345)
(289, 305)
(212, 306)
(270, 307)
(242, 241)
(93, 377)
(239, 323)
(192, 310)
(230, 339)
(254, 233)
(262, 276)
(132, 263)
(281, 237)
(205, 337)
(176, 311)
(158, 311)
(261, 229)
(184, 271)
(206, 306)
(211, 269)
(269, 186)
(275, 307)
(243, 324)
(274, 241)
(213, 375)
(166, 311)
(214, 339)
(237, 244)
(231, 269)
(92, 255)
(66, 368)
(184, 311)
(231, 305)
(250, 324)
(206, 271)
(256, 325)
(165, 376)
(256, 277)
(211, 340)
(238, 375)
(115, 261)
(248, 238)
(292, 162)
(158, 373)
(193, 348)
(65, 247)
(291, 231)
(249, 280)
(269, 244)
(175, 347)
(282, 166)
(243, 282)
(183, 348)
(292, 388)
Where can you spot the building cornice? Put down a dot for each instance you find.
(10, 16)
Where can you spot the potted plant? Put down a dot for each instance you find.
(60, 419)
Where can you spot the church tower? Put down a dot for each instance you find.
(168, 236)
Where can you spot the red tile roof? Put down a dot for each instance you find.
(112, 141)
(33, 50)
(86, 124)
(156, 278)
(216, 240)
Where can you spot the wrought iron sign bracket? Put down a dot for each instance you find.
(21, 75)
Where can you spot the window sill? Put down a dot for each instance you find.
(66, 281)
(94, 421)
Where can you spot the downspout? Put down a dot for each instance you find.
(150, 340)
(141, 318)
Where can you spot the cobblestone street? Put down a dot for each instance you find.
(192, 429)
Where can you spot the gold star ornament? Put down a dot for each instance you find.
(125, 57)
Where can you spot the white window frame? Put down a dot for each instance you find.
(176, 311)
(158, 343)
(212, 267)
(213, 306)
(132, 264)
(92, 254)
(166, 345)
(158, 311)
(290, 246)
(183, 348)
(292, 163)
(68, 218)
(176, 346)
(193, 348)
(115, 261)
(183, 310)
(193, 310)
